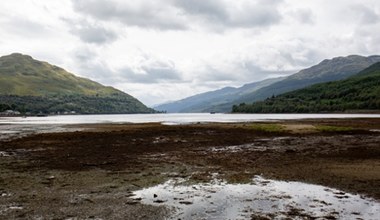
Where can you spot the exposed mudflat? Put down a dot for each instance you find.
(93, 172)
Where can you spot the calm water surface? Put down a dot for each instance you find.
(220, 200)
(171, 118)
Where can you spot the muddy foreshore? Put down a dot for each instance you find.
(91, 173)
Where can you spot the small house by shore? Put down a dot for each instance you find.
(10, 113)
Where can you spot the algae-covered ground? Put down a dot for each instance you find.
(91, 173)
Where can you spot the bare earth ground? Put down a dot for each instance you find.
(90, 174)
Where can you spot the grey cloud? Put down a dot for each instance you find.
(261, 13)
(145, 14)
(248, 70)
(248, 14)
(181, 15)
(84, 55)
(94, 34)
(243, 71)
(366, 15)
(309, 57)
(215, 75)
(24, 27)
(159, 72)
(99, 71)
(92, 67)
(90, 32)
(257, 73)
(366, 37)
(305, 16)
(149, 71)
(213, 10)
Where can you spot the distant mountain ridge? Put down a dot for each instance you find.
(328, 70)
(202, 102)
(360, 92)
(30, 85)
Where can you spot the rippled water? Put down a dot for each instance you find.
(170, 118)
(262, 197)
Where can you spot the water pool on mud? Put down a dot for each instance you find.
(262, 197)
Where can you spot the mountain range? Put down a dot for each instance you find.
(223, 99)
(29, 85)
(357, 93)
(205, 101)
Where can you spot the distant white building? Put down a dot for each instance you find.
(10, 113)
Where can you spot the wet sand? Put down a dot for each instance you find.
(91, 173)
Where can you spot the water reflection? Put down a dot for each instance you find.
(171, 119)
(262, 197)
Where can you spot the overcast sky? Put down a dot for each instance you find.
(169, 49)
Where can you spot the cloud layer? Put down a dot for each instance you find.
(170, 49)
(181, 15)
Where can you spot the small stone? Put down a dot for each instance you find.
(89, 200)
(185, 202)
(131, 202)
(159, 201)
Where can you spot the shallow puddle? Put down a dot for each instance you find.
(262, 197)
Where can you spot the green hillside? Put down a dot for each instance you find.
(29, 85)
(360, 92)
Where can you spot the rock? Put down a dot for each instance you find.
(89, 200)
(159, 201)
(185, 202)
(131, 202)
